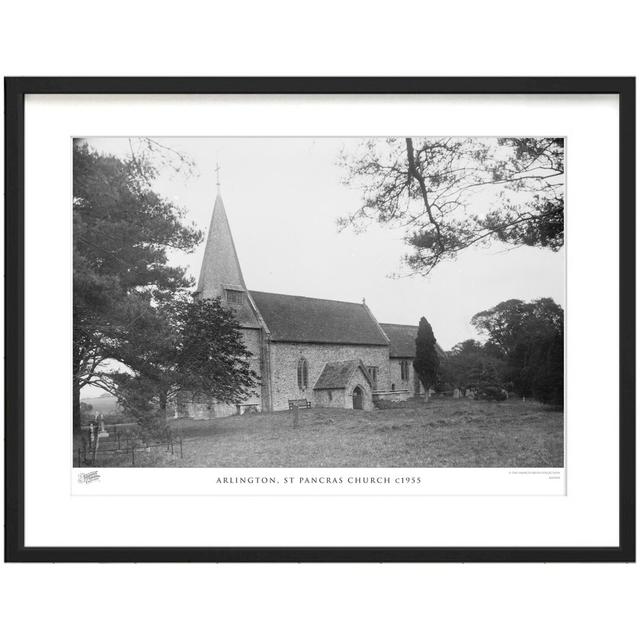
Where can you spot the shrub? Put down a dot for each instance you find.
(491, 392)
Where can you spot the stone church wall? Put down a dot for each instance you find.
(343, 398)
(395, 377)
(333, 398)
(284, 366)
(358, 379)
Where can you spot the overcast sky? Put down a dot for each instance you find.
(283, 196)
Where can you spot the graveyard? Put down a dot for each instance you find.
(441, 433)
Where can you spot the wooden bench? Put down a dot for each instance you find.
(301, 403)
(251, 407)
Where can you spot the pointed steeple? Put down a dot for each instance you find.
(220, 265)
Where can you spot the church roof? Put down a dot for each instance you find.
(299, 319)
(403, 340)
(220, 264)
(220, 271)
(336, 375)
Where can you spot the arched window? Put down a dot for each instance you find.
(373, 374)
(303, 374)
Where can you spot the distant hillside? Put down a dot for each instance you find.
(106, 403)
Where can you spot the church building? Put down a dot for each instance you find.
(325, 352)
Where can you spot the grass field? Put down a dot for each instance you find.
(442, 433)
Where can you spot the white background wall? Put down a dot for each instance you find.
(332, 38)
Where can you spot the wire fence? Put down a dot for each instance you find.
(103, 441)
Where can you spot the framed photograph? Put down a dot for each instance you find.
(320, 319)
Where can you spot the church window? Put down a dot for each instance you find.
(373, 374)
(303, 374)
(404, 370)
(235, 297)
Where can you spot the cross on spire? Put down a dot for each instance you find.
(218, 176)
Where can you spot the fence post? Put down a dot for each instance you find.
(133, 456)
(94, 436)
(181, 445)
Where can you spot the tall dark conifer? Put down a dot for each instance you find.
(427, 361)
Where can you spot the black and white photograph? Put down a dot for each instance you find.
(321, 320)
(299, 302)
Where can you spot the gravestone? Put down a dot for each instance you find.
(102, 433)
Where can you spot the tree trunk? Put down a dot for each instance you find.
(77, 418)
(163, 408)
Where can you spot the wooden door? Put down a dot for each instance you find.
(358, 401)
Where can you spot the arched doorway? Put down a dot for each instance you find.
(358, 398)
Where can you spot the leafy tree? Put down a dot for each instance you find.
(507, 322)
(182, 346)
(454, 370)
(548, 366)
(449, 194)
(485, 380)
(427, 361)
(85, 411)
(122, 230)
(472, 365)
(529, 338)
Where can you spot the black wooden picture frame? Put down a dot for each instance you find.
(15, 91)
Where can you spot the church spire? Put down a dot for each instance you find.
(220, 265)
